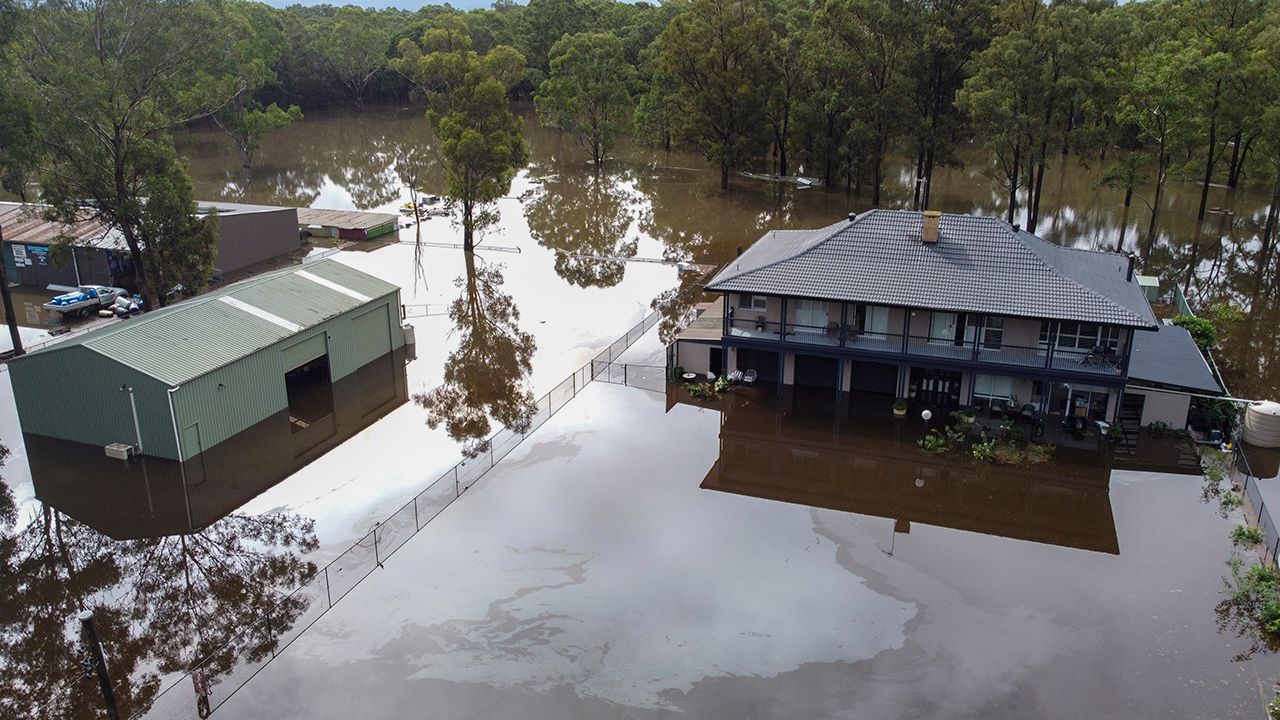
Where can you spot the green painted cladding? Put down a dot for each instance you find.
(247, 391)
(72, 391)
(74, 394)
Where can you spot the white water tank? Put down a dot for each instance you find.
(410, 343)
(1262, 424)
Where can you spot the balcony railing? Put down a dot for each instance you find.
(1097, 361)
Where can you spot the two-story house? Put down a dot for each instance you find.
(941, 309)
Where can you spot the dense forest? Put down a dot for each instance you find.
(822, 88)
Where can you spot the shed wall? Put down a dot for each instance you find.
(74, 394)
(252, 388)
(245, 239)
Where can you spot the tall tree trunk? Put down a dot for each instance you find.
(877, 163)
(1211, 159)
(1013, 178)
(919, 180)
(1124, 225)
(468, 244)
(1161, 176)
(10, 316)
(1237, 168)
(1035, 204)
(1233, 164)
(1269, 228)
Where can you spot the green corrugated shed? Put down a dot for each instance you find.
(208, 368)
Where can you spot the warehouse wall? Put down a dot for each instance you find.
(252, 389)
(73, 393)
(248, 238)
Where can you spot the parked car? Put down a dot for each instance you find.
(85, 299)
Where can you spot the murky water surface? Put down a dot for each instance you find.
(745, 571)
(746, 561)
(678, 211)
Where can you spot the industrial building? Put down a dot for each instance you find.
(213, 400)
(247, 235)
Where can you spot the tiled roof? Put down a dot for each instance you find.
(979, 265)
(183, 341)
(1169, 357)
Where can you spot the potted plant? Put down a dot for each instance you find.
(899, 408)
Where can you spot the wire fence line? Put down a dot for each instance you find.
(211, 682)
(648, 377)
(1255, 508)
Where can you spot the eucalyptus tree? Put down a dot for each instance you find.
(789, 81)
(586, 93)
(481, 142)
(716, 49)
(355, 49)
(878, 39)
(1221, 32)
(258, 35)
(112, 79)
(952, 32)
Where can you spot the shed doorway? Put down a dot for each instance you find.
(310, 393)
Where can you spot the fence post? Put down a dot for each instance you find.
(624, 374)
(1275, 550)
(491, 450)
(377, 560)
(574, 378)
(416, 526)
(457, 491)
(327, 592)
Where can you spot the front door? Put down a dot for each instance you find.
(939, 388)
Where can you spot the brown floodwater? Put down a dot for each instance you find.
(345, 159)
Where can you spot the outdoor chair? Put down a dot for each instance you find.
(749, 377)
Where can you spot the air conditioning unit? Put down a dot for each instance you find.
(119, 451)
(410, 343)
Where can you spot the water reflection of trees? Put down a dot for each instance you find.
(358, 153)
(585, 219)
(160, 605)
(484, 376)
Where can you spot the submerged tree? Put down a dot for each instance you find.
(716, 50)
(481, 141)
(484, 378)
(586, 94)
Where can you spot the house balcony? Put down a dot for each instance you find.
(1097, 362)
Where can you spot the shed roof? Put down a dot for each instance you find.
(23, 223)
(979, 265)
(1170, 358)
(184, 341)
(344, 219)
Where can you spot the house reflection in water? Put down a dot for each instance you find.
(804, 447)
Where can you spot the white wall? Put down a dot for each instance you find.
(1170, 408)
(693, 357)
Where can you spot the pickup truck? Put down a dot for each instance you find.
(85, 299)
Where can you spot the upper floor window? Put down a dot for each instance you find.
(875, 320)
(1082, 336)
(987, 333)
(748, 301)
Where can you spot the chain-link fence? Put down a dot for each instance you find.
(1255, 508)
(211, 682)
(649, 377)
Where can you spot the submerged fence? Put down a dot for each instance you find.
(214, 680)
(648, 377)
(1255, 507)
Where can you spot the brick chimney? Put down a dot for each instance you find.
(929, 232)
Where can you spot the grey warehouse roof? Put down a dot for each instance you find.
(1170, 358)
(184, 341)
(979, 265)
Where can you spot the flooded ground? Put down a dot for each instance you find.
(669, 205)
(614, 541)
(590, 576)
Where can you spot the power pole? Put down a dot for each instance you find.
(92, 661)
(8, 303)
